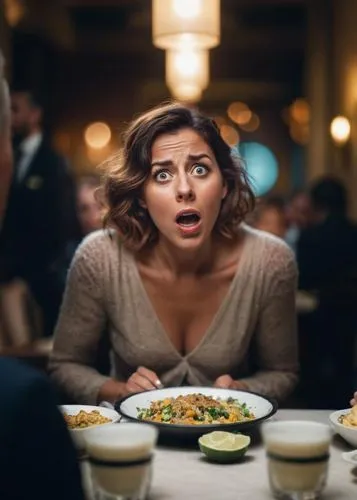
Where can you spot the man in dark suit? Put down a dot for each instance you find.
(37, 456)
(40, 218)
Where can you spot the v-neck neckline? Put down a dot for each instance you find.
(215, 319)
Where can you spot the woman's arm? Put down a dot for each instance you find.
(80, 326)
(275, 349)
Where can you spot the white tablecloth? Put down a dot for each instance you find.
(181, 473)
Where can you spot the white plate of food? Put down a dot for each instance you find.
(193, 411)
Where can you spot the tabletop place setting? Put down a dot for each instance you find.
(166, 442)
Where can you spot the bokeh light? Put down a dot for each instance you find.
(297, 117)
(235, 110)
(229, 135)
(14, 11)
(299, 133)
(300, 111)
(97, 135)
(340, 129)
(261, 165)
(252, 125)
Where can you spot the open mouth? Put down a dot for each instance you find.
(188, 219)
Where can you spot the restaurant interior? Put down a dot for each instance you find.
(279, 80)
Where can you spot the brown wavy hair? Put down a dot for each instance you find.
(127, 172)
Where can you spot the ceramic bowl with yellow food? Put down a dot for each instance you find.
(80, 418)
(344, 423)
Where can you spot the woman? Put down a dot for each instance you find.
(190, 295)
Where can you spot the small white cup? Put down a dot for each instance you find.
(120, 457)
(298, 455)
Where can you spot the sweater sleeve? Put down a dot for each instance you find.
(80, 326)
(275, 349)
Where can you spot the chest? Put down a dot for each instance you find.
(186, 308)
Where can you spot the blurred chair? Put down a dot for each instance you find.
(21, 320)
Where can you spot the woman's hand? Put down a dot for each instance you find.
(143, 380)
(354, 399)
(227, 382)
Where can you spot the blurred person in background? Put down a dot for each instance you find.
(31, 426)
(17, 308)
(327, 262)
(5, 144)
(89, 205)
(269, 216)
(298, 213)
(89, 208)
(40, 217)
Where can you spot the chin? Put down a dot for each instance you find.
(189, 242)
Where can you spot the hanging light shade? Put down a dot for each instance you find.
(186, 93)
(190, 23)
(187, 67)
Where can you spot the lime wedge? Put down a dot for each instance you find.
(224, 447)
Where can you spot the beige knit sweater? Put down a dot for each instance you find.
(252, 336)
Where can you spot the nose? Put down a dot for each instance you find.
(184, 190)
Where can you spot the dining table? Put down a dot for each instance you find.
(181, 471)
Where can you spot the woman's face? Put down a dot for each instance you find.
(185, 189)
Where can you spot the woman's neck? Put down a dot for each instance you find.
(182, 262)
(179, 263)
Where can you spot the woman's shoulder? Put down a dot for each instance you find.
(98, 249)
(97, 241)
(272, 253)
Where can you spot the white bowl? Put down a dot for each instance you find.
(349, 434)
(78, 434)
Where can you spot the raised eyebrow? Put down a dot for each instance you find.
(162, 163)
(190, 158)
(199, 157)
